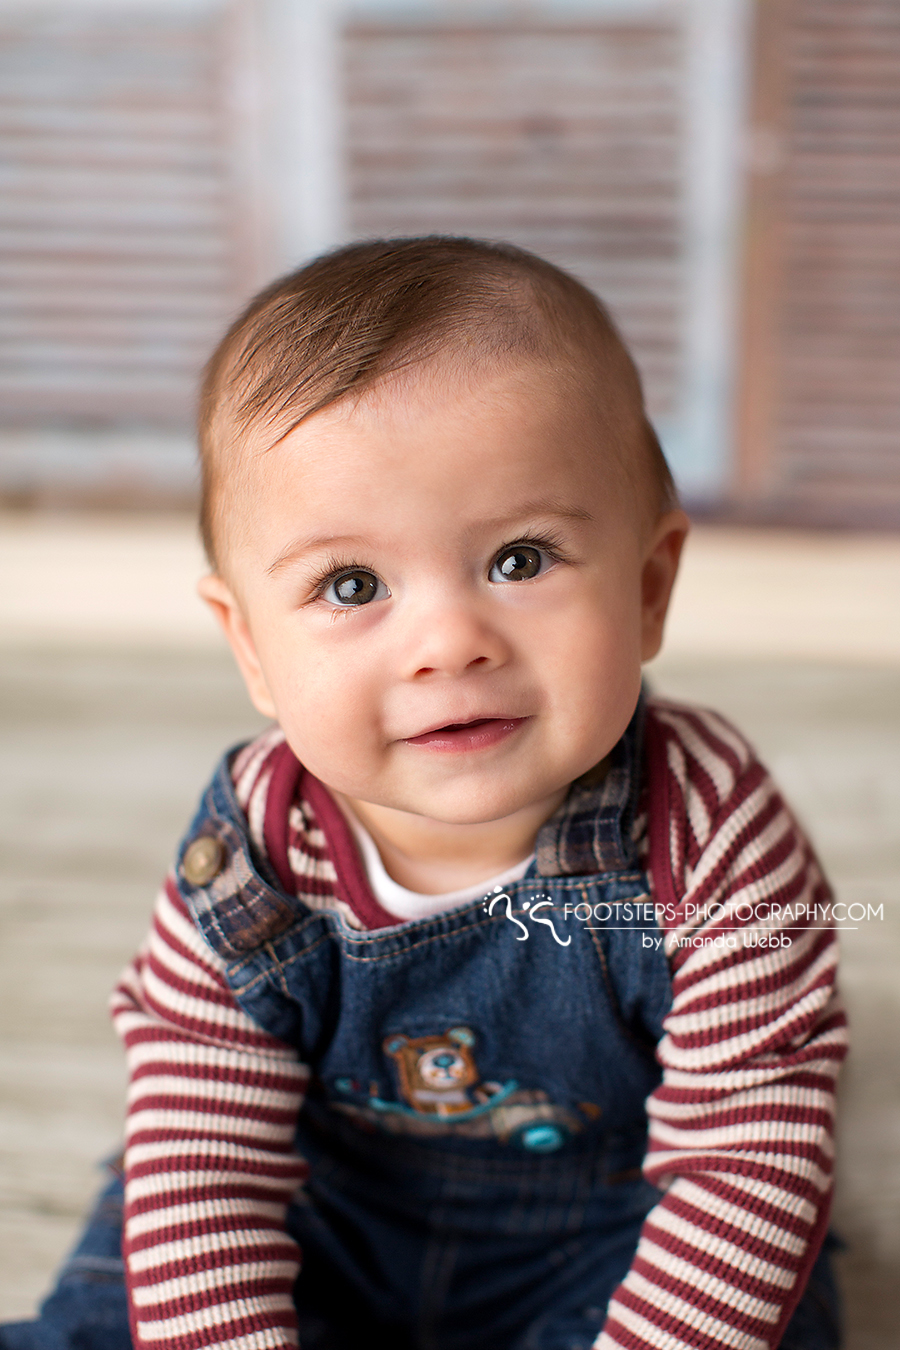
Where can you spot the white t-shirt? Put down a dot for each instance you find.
(404, 904)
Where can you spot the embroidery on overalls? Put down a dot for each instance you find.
(438, 1074)
(439, 1082)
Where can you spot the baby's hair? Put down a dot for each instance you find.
(369, 310)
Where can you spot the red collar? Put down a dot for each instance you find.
(291, 783)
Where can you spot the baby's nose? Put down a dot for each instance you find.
(453, 639)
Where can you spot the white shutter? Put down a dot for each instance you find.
(117, 221)
(562, 137)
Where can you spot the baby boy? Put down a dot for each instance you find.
(485, 992)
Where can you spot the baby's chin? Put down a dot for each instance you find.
(462, 808)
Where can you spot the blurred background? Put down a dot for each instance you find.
(724, 173)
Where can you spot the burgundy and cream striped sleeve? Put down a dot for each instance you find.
(741, 1124)
(209, 1159)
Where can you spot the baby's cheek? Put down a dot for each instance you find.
(330, 734)
(601, 695)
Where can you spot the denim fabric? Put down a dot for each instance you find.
(88, 1309)
(475, 1122)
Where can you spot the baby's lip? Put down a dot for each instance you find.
(470, 722)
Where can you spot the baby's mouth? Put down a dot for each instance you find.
(477, 735)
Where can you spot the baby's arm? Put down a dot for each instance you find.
(740, 1127)
(210, 1166)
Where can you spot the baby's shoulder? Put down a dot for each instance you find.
(699, 764)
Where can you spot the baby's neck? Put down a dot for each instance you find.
(433, 857)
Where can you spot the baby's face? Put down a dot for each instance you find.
(444, 590)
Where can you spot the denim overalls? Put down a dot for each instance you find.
(475, 1120)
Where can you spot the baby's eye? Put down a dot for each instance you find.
(355, 587)
(519, 562)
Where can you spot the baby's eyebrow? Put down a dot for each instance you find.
(540, 507)
(523, 512)
(312, 543)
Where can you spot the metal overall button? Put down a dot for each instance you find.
(203, 860)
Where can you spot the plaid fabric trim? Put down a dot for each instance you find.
(593, 829)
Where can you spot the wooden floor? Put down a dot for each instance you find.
(108, 736)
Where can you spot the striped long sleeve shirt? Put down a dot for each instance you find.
(740, 1127)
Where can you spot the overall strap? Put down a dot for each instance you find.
(592, 830)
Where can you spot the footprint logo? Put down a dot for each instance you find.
(532, 913)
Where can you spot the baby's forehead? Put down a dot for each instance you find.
(510, 388)
(525, 427)
(520, 421)
(522, 399)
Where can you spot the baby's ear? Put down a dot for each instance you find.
(223, 603)
(658, 577)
